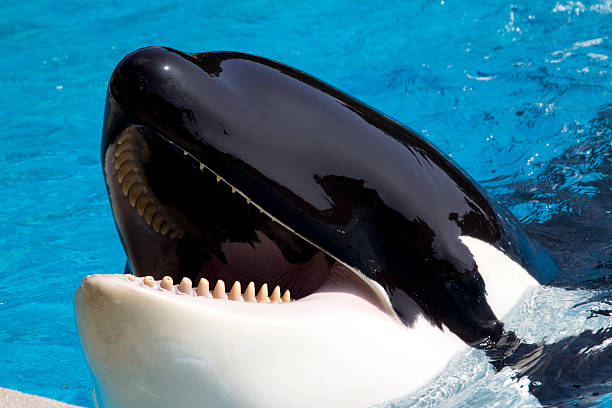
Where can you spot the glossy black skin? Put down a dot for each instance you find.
(211, 216)
(360, 186)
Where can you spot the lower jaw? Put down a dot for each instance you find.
(153, 348)
(342, 286)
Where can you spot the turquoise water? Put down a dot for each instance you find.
(518, 93)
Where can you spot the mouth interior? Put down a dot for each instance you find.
(219, 233)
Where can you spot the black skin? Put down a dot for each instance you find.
(363, 188)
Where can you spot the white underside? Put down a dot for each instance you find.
(148, 349)
(505, 280)
(331, 349)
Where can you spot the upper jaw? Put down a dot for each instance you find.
(229, 237)
(153, 250)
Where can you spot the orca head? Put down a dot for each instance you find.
(331, 223)
(206, 180)
(225, 167)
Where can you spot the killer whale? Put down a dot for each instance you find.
(228, 166)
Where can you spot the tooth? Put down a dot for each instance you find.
(249, 293)
(128, 181)
(185, 285)
(275, 296)
(157, 220)
(201, 166)
(286, 296)
(122, 148)
(125, 169)
(131, 278)
(219, 292)
(262, 296)
(149, 281)
(165, 227)
(235, 292)
(167, 283)
(124, 157)
(135, 192)
(150, 211)
(202, 289)
(141, 204)
(122, 137)
(174, 234)
(218, 179)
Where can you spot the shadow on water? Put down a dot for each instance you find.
(577, 370)
(580, 235)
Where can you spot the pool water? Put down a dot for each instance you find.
(517, 93)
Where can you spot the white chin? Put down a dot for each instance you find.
(334, 348)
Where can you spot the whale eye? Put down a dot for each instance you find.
(455, 286)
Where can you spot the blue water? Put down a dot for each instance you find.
(518, 93)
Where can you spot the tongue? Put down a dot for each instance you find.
(343, 279)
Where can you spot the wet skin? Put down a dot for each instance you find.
(347, 184)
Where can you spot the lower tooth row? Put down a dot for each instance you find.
(203, 290)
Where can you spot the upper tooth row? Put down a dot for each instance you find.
(234, 189)
(203, 289)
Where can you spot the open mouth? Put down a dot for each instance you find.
(187, 231)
